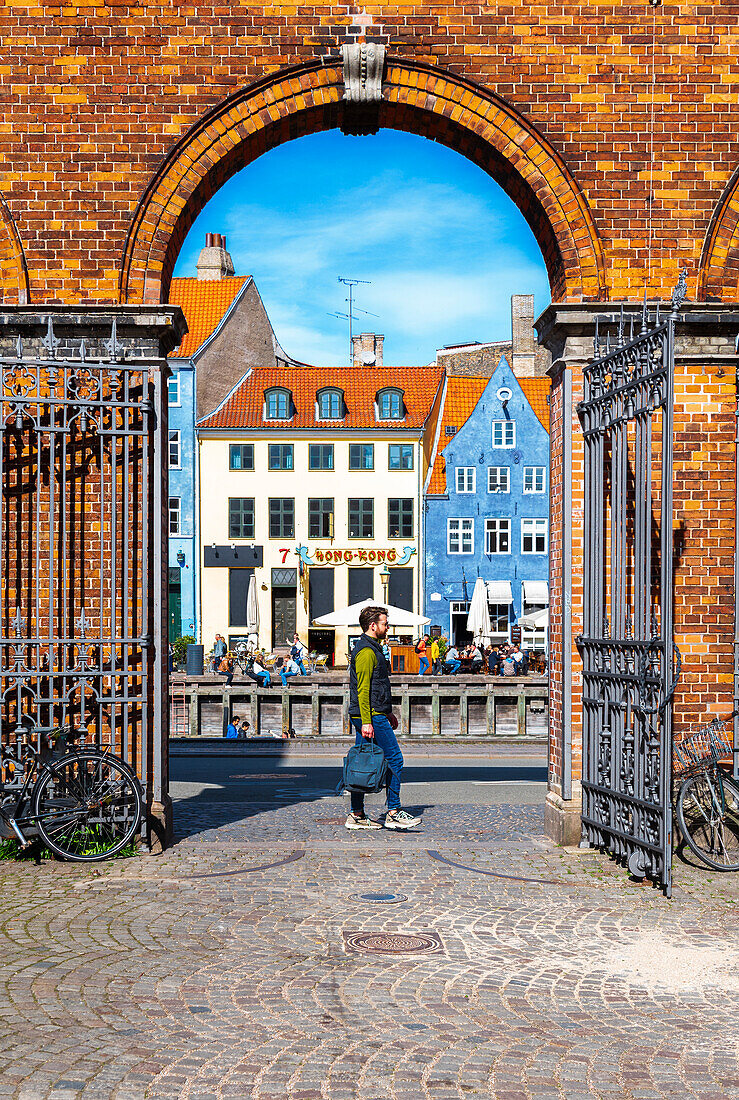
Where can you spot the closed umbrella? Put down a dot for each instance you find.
(349, 616)
(478, 616)
(252, 608)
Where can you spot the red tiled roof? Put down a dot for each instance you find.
(462, 394)
(244, 408)
(204, 303)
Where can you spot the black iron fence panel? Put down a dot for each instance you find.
(626, 646)
(76, 429)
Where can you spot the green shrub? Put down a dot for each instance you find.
(179, 645)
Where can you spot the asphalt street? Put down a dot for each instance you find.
(431, 780)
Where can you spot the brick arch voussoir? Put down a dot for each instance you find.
(718, 275)
(14, 285)
(418, 99)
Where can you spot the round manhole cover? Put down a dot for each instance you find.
(380, 899)
(394, 943)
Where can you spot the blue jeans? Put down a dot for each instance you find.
(284, 676)
(388, 742)
(300, 665)
(453, 666)
(423, 664)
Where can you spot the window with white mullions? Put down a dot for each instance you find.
(466, 479)
(499, 479)
(173, 389)
(504, 433)
(534, 536)
(174, 450)
(534, 479)
(174, 516)
(460, 536)
(497, 536)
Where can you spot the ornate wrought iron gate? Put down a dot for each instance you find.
(76, 456)
(627, 646)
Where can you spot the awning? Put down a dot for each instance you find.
(499, 592)
(536, 592)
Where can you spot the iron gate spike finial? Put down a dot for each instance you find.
(17, 622)
(621, 326)
(19, 347)
(596, 341)
(680, 292)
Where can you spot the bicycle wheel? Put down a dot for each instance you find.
(709, 823)
(88, 806)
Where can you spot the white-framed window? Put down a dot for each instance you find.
(534, 536)
(499, 479)
(173, 388)
(499, 621)
(534, 479)
(460, 536)
(174, 449)
(497, 536)
(504, 433)
(533, 637)
(466, 479)
(174, 515)
(390, 405)
(277, 404)
(330, 404)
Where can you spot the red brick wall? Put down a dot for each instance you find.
(96, 97)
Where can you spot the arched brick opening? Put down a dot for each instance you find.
(14, 289)
(718, 277)
(418, 99)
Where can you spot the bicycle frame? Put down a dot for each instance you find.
(715, 780)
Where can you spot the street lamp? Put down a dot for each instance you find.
(384, 580)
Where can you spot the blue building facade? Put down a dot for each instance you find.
(183, 555)
(486, 504)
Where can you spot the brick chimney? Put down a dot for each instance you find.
(214, 262)
(367, 349)
(522, 332)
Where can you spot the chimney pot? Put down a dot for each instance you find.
(214, 262)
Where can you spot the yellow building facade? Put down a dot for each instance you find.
(312, 481)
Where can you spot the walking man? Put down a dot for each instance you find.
(371, 713)
(423, 661)
(297, 653)
(219, 651)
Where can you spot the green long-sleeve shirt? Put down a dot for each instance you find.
(365, 665)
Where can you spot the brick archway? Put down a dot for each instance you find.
(418, 99)
(718, 277)
(13, 271)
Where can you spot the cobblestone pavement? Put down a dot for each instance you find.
(194, 975)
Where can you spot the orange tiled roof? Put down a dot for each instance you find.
(462, 394)
(204, 303)
(244, 408)
(537, 391)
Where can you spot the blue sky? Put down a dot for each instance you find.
(441, 244)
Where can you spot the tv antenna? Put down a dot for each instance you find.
(351, 283)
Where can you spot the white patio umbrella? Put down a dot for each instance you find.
(478, 616)
(252, 608)
(349, 616)
(535, 621)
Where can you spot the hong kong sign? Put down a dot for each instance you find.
(356, 556)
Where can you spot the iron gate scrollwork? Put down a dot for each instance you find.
(76, 429)
(629, 665)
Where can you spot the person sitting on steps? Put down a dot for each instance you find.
(371, 714)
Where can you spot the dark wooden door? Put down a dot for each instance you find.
(284, 618)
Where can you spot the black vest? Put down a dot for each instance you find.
(381, 697)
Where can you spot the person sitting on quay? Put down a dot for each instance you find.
(423, 661)
(435, 655)
(256, 671)
(496, 656)
(226, 668)
(286, 668)
(451, 659)
(520, 660)
(297, 653)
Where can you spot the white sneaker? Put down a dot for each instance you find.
(364, 822)
(401, 819)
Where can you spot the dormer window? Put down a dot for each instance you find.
(390, 405)
(330, 404)
(277, 404)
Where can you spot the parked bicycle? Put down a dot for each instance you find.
(84, 803)
(708, 799)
